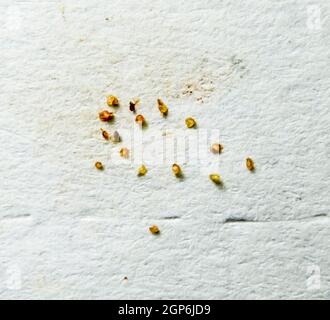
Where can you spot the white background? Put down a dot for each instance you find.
(257, 71)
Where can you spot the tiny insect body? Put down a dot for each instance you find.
(142, 171)
(112, 101)
(124, 152)
(162, 107)
(115, 137)
(191, 123)
(106, 116)
(176, 170)
(132, 105)
(140, 119)
(216, 148)
(154, 229)
(250, 164)
(215, 178)
(105, 134)
(99, 165)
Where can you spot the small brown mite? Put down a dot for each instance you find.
(162, 107)
(190, 122)
(215, 178)
(154, 229)
(116, 137)
(140, 119)
(99, 165)
(132, 105)
(142, 171)
(176, 170)
(250, 164)
(124, 152)
(112, 101)
(106, 116)
(217, 148)
(105, 134)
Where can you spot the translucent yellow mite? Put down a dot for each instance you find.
(105, 134)
(154, 229)
(215, 178)
(190, 122)
(162, 107)
(176, 170)
(142, 170)
(140, 119)
(124, 152)
(99, 165)
(112, 101)
(250, 164)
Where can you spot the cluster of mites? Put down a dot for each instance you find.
(107, 116)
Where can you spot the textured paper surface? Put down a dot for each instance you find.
(257, 71)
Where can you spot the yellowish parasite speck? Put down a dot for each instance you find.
(154, 229)
(191, 123)
(250, 164)
(106, 116)
(217, 148)
(112, 101)
(142, 170)
(162, 107)
(124, 152)
(215, 178)
(99, 165)
(176, 170)
(140, 119)
(105, 134)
